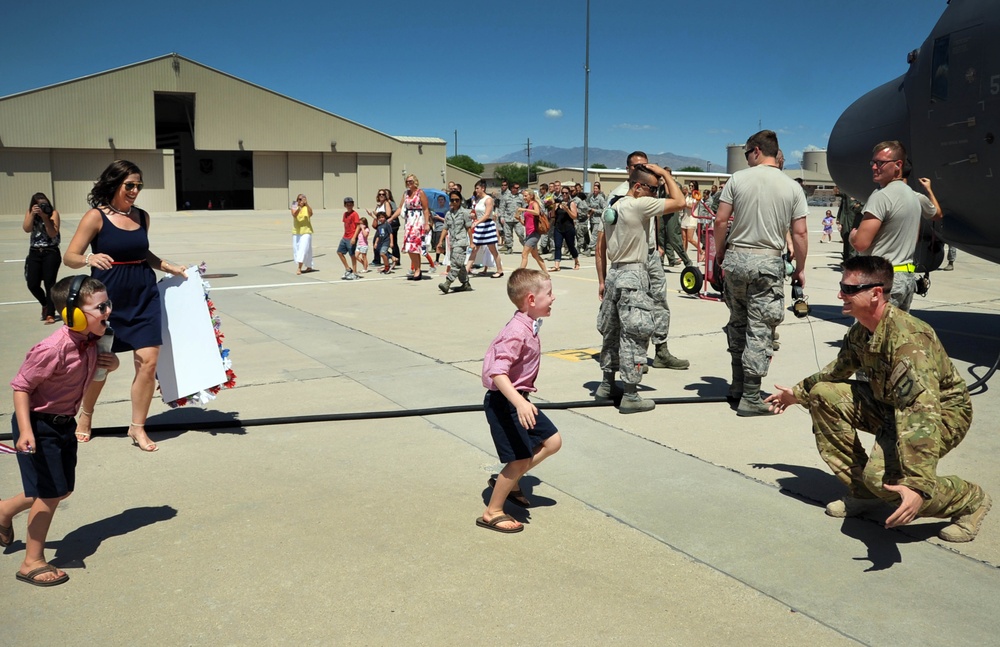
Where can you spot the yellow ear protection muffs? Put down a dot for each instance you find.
(72, 315)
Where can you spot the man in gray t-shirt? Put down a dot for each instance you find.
(764, 204)
(891, 221)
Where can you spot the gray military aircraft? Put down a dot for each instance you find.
(946, 111)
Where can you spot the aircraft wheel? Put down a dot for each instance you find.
(691, 280)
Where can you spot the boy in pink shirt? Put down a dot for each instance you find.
(48, 390)
(523, 436)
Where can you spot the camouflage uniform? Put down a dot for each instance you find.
(915, 403)
(456, 228)
(756, 298)
(625, 320)
(596, 204)
(507, 206)
(658, 296)
(582, 224)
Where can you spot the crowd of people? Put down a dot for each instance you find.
(909, 396)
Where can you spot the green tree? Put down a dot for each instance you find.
(513, 173)
(543, 164)
(598, 165)
(467, 163)
(696, 169)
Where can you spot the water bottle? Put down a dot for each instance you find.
(104, 346)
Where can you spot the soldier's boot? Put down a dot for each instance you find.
(852, 506)
(465, 287)
(633, 403)
(949, 267)
(664, 359)
(752, 404)
(606, 387)
(965, 527)
(736, 386)
(445, 286)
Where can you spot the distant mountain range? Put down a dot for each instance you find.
(573, 157)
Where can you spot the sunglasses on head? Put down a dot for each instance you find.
(137, 186)
(849, 289)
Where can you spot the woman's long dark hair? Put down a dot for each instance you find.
(40, 197)
(112, 177)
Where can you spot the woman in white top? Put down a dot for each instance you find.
(484, 233)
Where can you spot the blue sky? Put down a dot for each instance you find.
(663, 78)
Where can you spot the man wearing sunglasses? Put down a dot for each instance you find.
(891, 221)
(764, 204)
(914, 402)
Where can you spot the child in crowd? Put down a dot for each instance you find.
(827, 228)
(361, 249)
(48, 390)
(523, 436)
(383, 243)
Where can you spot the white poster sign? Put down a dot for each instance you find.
(189, 358)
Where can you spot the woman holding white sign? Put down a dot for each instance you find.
(117, 233)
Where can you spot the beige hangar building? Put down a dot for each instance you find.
(200, 136)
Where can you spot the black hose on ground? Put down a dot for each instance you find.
(236, 423)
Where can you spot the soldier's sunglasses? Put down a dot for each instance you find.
(849, 289)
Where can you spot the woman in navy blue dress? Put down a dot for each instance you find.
(117, 233)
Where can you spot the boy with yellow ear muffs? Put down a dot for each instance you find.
(48, 390)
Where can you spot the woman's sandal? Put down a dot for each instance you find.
(85, 437)
(151, 447)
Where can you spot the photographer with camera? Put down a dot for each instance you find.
(563, 214)
(41, 267)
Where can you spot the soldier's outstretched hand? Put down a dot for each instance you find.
(781, 399)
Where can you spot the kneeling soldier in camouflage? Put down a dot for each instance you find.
(914, 401)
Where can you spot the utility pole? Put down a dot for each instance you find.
(586, 103)
(456, 142)
(529, 163)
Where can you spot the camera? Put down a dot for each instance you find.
(557, 199)
(800, 303)
(924, 284)
(46, 208)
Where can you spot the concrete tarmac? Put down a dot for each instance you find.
(682, 526)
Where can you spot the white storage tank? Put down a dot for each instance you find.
(815, 162)
(735, 159)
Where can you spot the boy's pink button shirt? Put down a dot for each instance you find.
(56, 372)
(516, 352)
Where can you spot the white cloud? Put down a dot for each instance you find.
(552, 113)
(627, 126)
(813, 147)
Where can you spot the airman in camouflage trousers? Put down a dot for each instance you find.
(625, 321)
(756, 298)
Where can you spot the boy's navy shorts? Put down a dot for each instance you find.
(512, 440)
(50, 472)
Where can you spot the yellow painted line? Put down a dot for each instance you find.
(576, 355)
